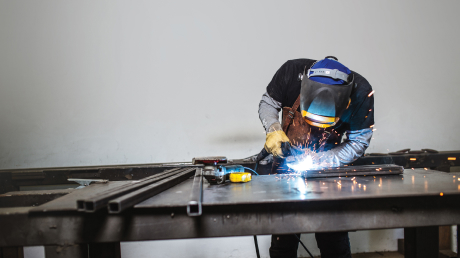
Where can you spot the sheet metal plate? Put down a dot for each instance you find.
(290, 188)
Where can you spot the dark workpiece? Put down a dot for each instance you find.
(321, 101)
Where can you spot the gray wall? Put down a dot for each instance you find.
(118, 82)
(115, 82)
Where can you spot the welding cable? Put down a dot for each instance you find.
(251, 170)
(257, 246)
(304, 246)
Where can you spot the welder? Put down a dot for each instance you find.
(328, 110)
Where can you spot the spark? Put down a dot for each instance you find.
(425, 168)
(372, 126)
(441, 194)
(372, 93)
(373, 130)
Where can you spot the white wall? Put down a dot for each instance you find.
(119, 82)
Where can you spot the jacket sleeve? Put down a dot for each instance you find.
(348, 151)
(269, 110)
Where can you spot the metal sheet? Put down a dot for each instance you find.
(31, 198)
(290, 188)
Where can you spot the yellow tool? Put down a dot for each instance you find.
(216, 170)
(240, 177)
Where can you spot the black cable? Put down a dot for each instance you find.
(257, 246)
(304, 246)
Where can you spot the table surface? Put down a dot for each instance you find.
(274, 204)
(292, 188)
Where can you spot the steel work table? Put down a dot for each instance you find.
(271, 204)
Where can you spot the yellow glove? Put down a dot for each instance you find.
(273, 142)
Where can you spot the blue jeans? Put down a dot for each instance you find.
(331, 245)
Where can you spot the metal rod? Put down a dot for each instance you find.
(458, 242)
(99, 201)
(364, 170)
(194, 205)
(126, 201)
(257, 246)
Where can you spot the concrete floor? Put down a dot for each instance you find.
(376, 255)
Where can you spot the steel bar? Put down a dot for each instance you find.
(364, 170)
(194, 205)
(127, 201)
(81, 202)
(100, 201)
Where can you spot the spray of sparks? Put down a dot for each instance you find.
(309, 160)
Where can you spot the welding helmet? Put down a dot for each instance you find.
(325, 92)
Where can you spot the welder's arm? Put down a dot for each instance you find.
(269, 110)
(348, 151)
(269, 114)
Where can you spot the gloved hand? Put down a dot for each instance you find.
(275, 137)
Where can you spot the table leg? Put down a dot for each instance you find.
(104, 250)
(12, 252)
(421, 242)
(458, 242)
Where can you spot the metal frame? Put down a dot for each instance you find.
(21, 228)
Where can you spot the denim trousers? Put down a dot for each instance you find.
(331, 245)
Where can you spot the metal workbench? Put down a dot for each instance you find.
(417, 200)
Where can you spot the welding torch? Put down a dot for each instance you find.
(289, 152)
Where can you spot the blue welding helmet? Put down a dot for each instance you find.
(325, 92)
